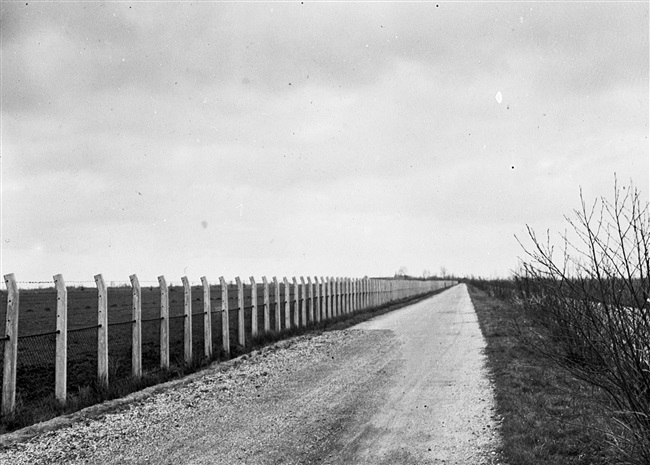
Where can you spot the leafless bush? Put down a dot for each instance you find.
(592, 304)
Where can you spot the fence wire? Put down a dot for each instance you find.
(82, 358)
(119, 350)
(35, 368)
(151, 344)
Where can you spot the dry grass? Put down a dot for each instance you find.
(549, 417)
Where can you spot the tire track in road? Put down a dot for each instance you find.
(441, 405)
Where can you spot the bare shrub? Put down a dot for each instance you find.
(591, 303)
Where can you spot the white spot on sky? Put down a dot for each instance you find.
(498, 97)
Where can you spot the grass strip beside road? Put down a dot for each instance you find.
(548, 416)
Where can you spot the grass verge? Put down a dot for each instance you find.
(549, 417)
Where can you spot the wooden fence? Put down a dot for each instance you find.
(312, 302)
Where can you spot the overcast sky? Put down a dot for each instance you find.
(344, 139)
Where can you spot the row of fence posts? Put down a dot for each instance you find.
(320, 300)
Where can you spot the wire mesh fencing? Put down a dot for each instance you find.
(35, 368)
(37, 334)
(82, 358)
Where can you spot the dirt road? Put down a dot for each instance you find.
(405, 388)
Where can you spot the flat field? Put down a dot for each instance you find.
(37, 324)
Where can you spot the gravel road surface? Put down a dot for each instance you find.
(408, 387)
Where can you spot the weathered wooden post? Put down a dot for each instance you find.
(324, 297)
(11, 347)
(278, 323)
(267, 305)
(136, 328)
(362, 293)
(366, 292)
(225, 320)
(296, 308)
(187, 306)
(207, 319)
(287, 304)
(241, 335)
(102, 331)
(303, 307)
(61, 367)
(332, 297)
(339, 296)
(348, 295)
(253, 307)
(360, 288)
(375, 290)
(333, 289)
(317, 301)
(310, 296)
(164, 323)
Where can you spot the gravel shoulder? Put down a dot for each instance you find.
(376, 393)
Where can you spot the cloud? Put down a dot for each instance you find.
(358, 137)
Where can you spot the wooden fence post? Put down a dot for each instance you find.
(337, 291)
(136, 328)
(164, 323)
(310, 296)
(366, 290)
(287, 304)
(341, 296)
(348, 286)
(102, 331)
(225, 320)
(303, 307)
(333, 297)
(317, 301)
(254, 307)
(267, 305)
(278, 323)
(296, 298)
(11, 347)
(187, 309)
(241, 334)
(61, 368)
(207, 319)
(348, 294)
(323, 299)
(330, 297)
(362, 283)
